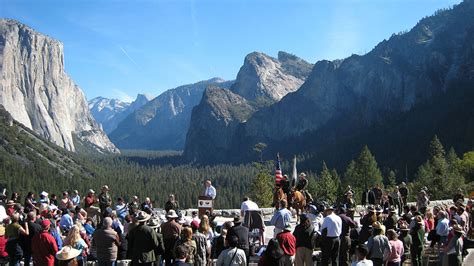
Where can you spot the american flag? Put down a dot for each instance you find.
(278, 175)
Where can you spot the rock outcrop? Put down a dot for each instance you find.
(264, 80)
(215, 118)
(261, 82)
(110, 112)
(37, 92)
(405, 90)
(162, 123)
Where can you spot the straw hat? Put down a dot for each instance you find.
(67, 253)
(418, 219)
(377, 225)
(172, 214)
(142, 217)
(105, 187)
(10, 203)
(44, 194)
(303, 174)
(153, 223)
(91, 191)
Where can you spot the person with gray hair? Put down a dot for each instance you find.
(106, 242)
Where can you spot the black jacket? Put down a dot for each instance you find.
(242, 233)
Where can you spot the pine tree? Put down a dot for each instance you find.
(261, 189)
(326, 186)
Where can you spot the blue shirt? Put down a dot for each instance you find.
(442, 229)
(281, 218)
(66, 222)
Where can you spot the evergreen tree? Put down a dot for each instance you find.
(326, 186)
(363, 173)
(261, 189)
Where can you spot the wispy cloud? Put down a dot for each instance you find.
(123, 96)
(127, 55)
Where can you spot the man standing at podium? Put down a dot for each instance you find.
(210, 191)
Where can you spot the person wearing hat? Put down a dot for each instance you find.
(75, 198)
(43, 245)
(288, 244)
(403, 193)
(160, 249)
(105, 200)
(44, 198)
(171, 230)
(67, 256)
(378, 244)
(347, 225)
(422, 201)
(286, 186)
(142, 241)
(92, 211)
(455, 246)
(242, 234)
(464, 220)
(392, 219)
(405, 237)
(348, 201)
(305, 236)
(302, 186)
(366, 221)
(418, 236)
(331, 230)
(202, 246)
(10, 208)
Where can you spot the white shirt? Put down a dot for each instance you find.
(210, 192)
(248, 205)
(364, 262)
(333, 223)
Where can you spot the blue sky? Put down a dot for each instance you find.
(117, 48)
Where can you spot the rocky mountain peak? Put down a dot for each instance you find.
(264, 80)
(37, 92)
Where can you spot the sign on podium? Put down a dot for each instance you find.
(204, 204)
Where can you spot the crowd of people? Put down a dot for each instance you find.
(390, 231)
(73, 230)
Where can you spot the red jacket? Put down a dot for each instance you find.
(287, 242)
(44, 249)
(3, 244)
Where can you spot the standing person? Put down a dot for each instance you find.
(160, 249)
(65, 202)
(287, 243)
(92, 211)
(203, 250)
(43, 246)
(172, 203)
(25, 240)
(345, 239)
(187, 240)
(13, 232)
(281, 218)
(455, 246)
(403, 193)
(181, 256)
(378, 194)
(232, 255)
(366, 221)
(391, 220)
(242, 234)
(396, 200)
(331, 230)
(418, 237)
(142, 242)
(442, 228)
(171, 231)
(273, 255)
(378, 244)
(247, 205)
(44, 198)
(422, 201)
(106, 243)
(210, 191)
(405, 237)
(371, 198)
(362, 252)
(459, 196)
(396, 252)
(105, 201)
(75, 240)
(304, 234)
(30, 202)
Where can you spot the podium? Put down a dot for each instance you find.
(204, 204)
